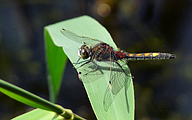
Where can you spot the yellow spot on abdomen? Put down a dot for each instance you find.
(155, 54)
(138, 55)
(130, 55)
(147, 54)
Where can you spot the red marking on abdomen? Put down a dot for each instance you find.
(120, 55)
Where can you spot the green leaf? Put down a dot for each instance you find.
(39, 114)
(56, 61)
(107, 103)
(30, 99)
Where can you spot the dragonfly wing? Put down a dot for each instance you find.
(100, 72)
(79, 38)
(108, 98)
(120, 76)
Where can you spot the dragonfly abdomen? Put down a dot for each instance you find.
(149, 56)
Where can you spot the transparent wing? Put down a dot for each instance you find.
(79, 38)
(119, 77)
(103, 68)
(108, 98)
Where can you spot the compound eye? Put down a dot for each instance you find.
(84, 54)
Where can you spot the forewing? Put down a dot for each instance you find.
(103, 68)
(79, 38)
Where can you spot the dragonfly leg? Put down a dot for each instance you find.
(123, 70)
(96, 67)
(121, 67)
(77, 61)
(80, 63)
(86, 62)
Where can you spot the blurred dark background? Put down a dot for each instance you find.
(163, 89)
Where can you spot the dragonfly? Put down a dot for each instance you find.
(94, 52)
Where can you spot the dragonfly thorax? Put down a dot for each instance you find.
(84, 52)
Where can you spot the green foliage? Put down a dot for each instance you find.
(30, 99)
(39, 114)
(119, 106)
(108, 104)
(56, 60)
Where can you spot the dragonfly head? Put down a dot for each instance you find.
(84, 51)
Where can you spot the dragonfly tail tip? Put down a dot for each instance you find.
(172, 56)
